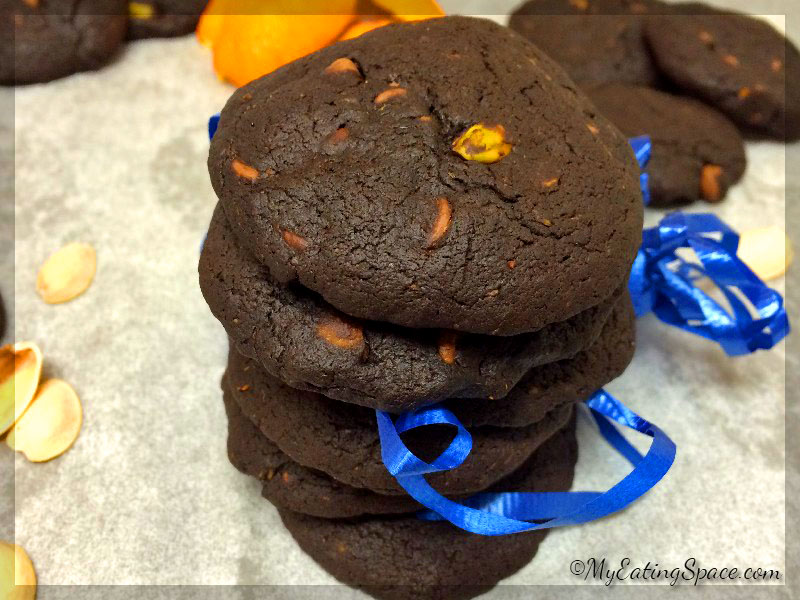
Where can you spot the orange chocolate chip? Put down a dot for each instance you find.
(591, 127)
(776, 65)
(580, 4)
(294, 241)
(340, 332)
(338, 136)
(744, 93)
(285, 477)
(730, 59)
(425, 118)
(706, 37)
(548, 183)
(243, 170)
(244, 388)
(392, 92)
(447, 346)
(442, 223)
(511, 264)
(342, 65)
(710, 189)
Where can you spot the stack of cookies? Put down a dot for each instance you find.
(431, 212)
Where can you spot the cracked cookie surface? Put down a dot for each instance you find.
(596, 41)
(299, 338)
(738, 64)
(697, 152)
(438, 174)
(48, 39)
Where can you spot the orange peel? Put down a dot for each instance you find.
(50, 425)
(20, 370)
(363, 27)
(247, 44)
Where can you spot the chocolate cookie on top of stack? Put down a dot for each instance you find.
(431, 212)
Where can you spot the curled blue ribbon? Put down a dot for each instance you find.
(663, 282)
(510, 512)
(642, 148)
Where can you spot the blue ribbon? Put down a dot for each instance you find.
(510, 512)
(213, 123)
(665, 283)
(642, 148)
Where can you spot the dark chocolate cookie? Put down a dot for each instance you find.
(342, 440)
(697, 151)
(163, 18)
(402, 557)
(596, 41)
(566, 381)
(345, 171)
(299, 338)
(291, 486)
(47, 39)
(737, 63)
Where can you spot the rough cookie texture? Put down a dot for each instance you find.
(342, 439)
(349, 181)
(289, 485)
(49, 39)
(737, 63)
(697, 152)
(596, 41)
(430, 559)
(302, 340)
(167, 18)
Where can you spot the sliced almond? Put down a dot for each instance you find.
(50, 425)
(20, 369)
(767, 251)
(67, 273)
(18, 580)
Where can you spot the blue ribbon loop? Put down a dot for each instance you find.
(510, 512)
(663, 282)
